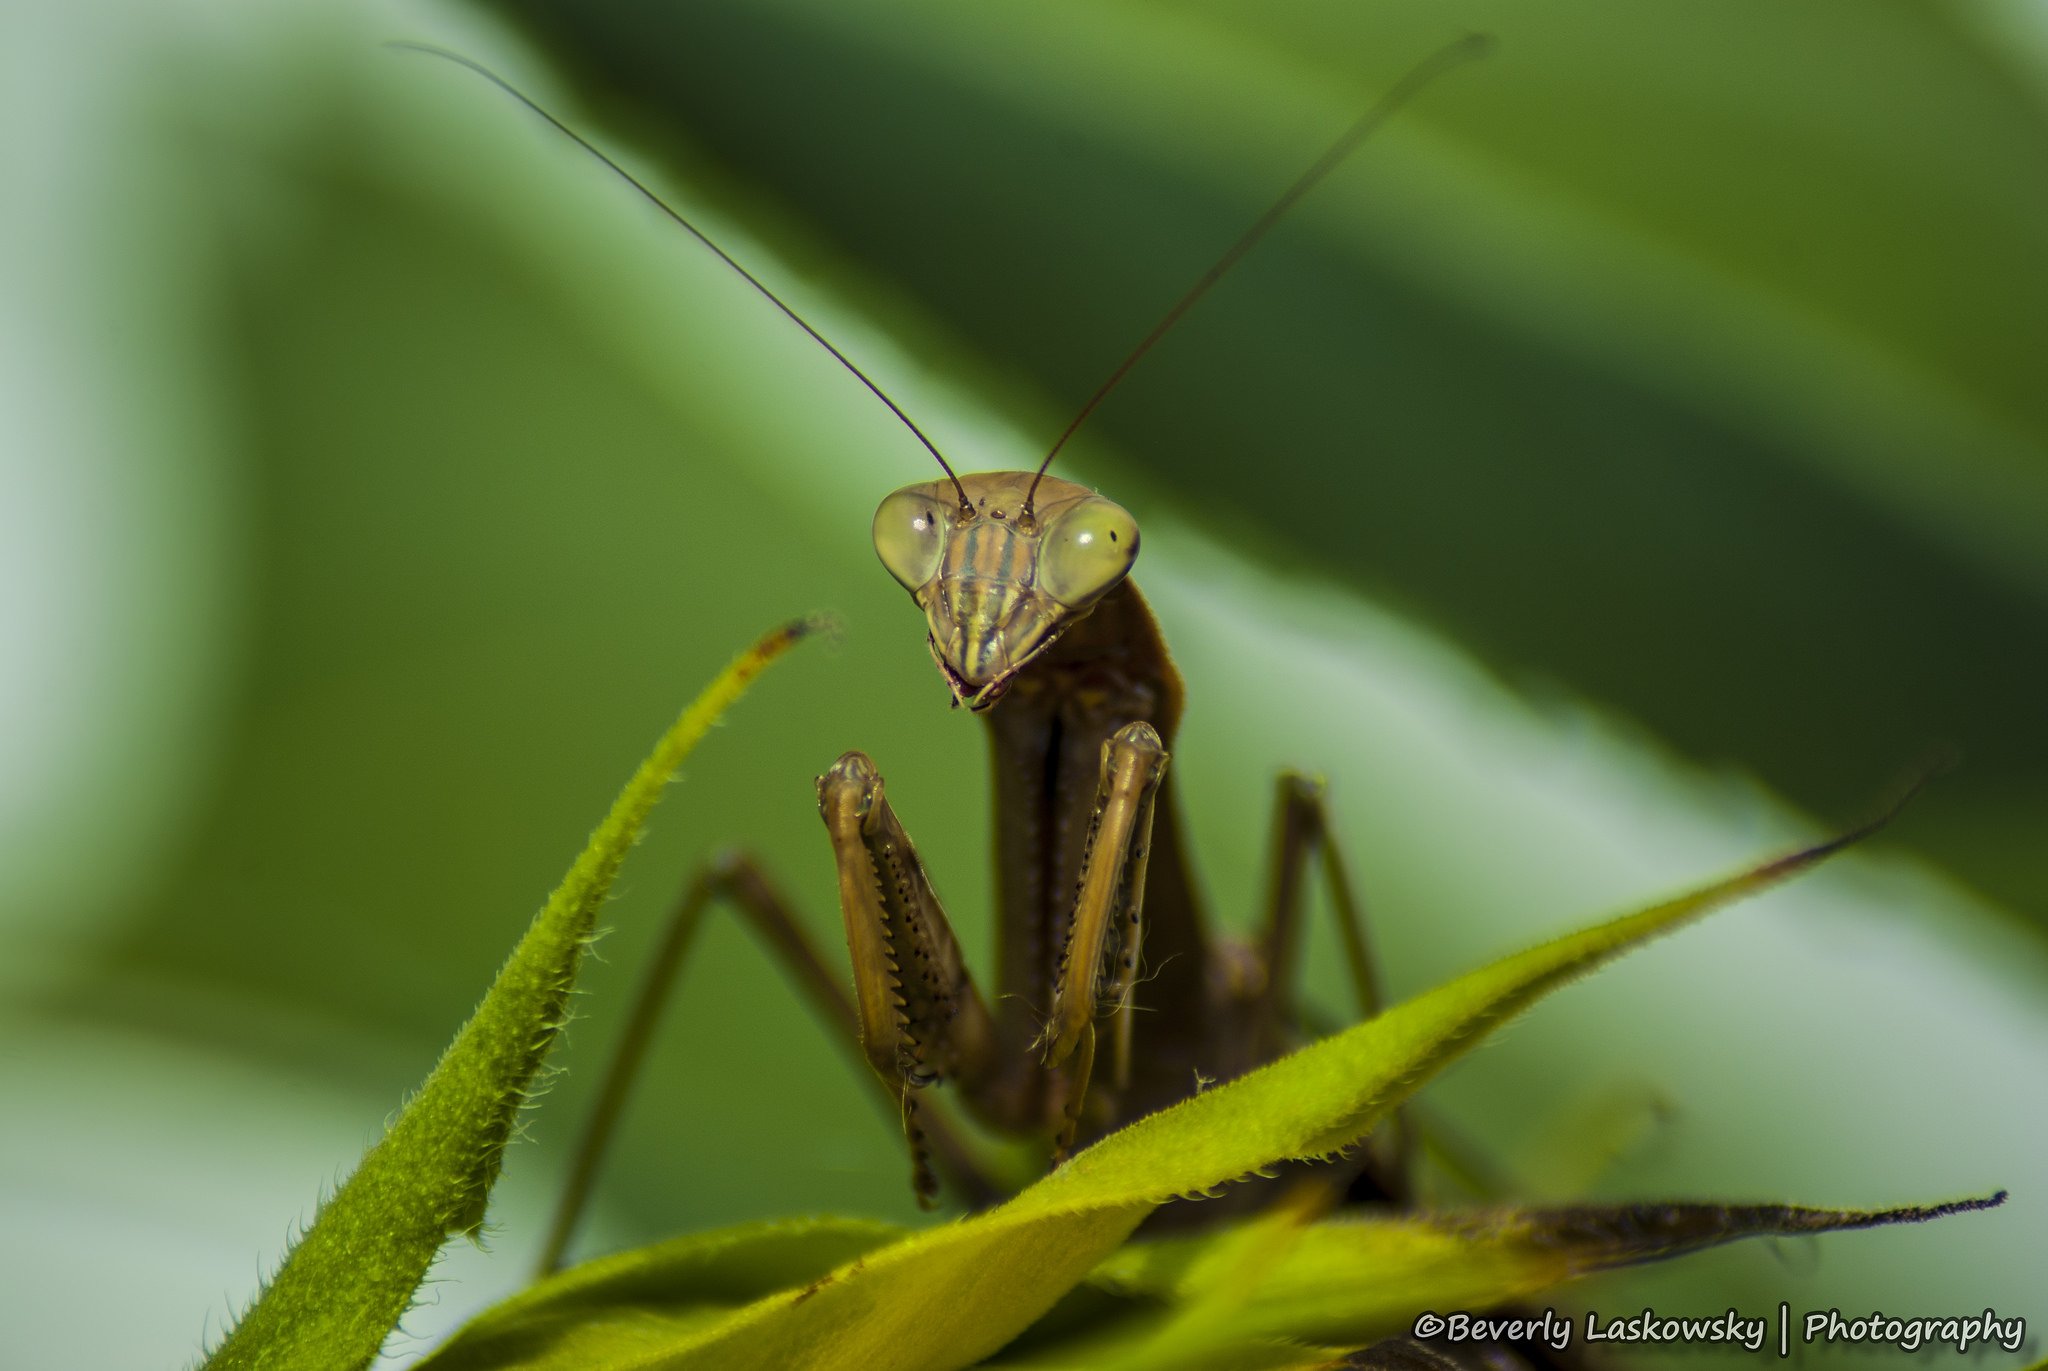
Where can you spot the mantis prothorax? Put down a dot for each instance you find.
(1035, 626)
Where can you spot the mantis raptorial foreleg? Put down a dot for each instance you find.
(1099, 963)
(921, 1018)
(918, 1013)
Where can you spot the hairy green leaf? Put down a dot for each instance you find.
(346, 1282)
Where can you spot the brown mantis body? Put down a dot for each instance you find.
(1034, 625)
(1081, 702)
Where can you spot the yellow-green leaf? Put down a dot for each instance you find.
(651, 1296)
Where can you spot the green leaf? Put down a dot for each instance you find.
(1350, 1281)
(1247, 1297)
(648, 1297)
(949, 1296)
(346, 1282)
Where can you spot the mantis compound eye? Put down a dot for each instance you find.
(1087, 551)
(910, 535)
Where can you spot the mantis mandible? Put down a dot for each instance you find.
(1034, 624)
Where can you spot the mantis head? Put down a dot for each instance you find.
(1001, 571)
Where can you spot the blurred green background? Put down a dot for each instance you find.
(1625, 466)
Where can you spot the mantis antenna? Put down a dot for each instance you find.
(820, 339)
(1417, 78)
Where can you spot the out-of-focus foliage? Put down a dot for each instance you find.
(1687, 357)
(378, 475)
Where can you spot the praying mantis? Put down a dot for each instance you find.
(1110, 996)
(1034, 625)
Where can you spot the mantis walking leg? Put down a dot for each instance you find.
(735, 879)
(1301, 834)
